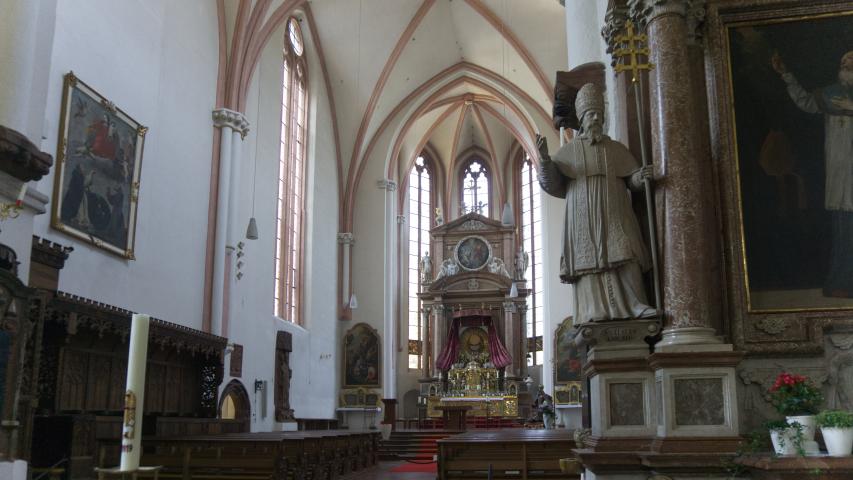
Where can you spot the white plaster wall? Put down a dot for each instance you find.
(316, 357)
(157, 61)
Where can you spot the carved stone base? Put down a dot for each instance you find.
(617, 338)
(696, 394)
(390, 409)
(698, 338)
(622, 404)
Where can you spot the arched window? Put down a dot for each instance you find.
(474, 189)
(420, 214)
(531, 240)
(291, 178)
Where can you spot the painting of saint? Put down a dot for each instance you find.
(472, 253)
(567, 361)
(792, 82)
(98, 167)
(361, 357)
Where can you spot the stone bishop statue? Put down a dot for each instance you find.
(603, 255)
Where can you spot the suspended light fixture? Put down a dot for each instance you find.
(353, 302)
(513, 291)
(252, 229)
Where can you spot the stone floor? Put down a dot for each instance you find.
(382, 471)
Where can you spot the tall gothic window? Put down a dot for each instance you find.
(475, 188)
(531, 239)
(290, 213)
(420, 208)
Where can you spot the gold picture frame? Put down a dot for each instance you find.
(777, 302)
(98, 165)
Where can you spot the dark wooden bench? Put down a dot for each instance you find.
(313, 455)
(522, 454)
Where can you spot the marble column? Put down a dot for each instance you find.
(347, 241)
(389, 331)
(426, 343)
(234, 127)
(684, 193)
(521, 329)
(511, 339)
(439, 333)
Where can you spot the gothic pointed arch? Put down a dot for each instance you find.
(234, 403)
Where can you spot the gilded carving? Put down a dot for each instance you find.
(772, 325)
(472, 225)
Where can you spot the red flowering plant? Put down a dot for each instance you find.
(795, 395)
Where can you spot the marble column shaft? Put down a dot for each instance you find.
(684, 199)
(426, 344)
(439, 333)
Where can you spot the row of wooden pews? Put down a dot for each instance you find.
(305, 455)
(508, 453)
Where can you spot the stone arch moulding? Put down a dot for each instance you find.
(242, 404)
(446, 79)
(391, 160)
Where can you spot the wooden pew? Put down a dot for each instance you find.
(313, 455)
(522, 454)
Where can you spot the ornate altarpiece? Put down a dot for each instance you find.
(466, 297)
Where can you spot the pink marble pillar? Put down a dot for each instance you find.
(684, 193)
(426, 342)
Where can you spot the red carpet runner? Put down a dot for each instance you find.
(416, 467)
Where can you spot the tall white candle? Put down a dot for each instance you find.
(131, 437)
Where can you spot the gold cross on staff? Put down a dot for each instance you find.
(630, 52)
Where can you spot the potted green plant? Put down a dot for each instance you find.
(837, 429)
(787, 437)
(796, 397)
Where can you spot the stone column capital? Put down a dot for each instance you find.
(346, 238)
(387, 184)
(614, 24)
(693, 11)
(223, 117)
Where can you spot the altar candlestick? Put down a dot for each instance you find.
(134, 398)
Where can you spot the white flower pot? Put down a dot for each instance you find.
(839, 441)
(808, 423)
(784, 441)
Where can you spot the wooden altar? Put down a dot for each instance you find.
(497, 406)
(474, 348)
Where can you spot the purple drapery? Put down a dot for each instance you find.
(451, 348)
(500, 355)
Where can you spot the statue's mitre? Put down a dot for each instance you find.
(589, 97)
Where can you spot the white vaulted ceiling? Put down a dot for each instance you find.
(451, 74)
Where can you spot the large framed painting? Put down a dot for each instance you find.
(98, 164)
(782, 124)
(792, 85)
(361, 356)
